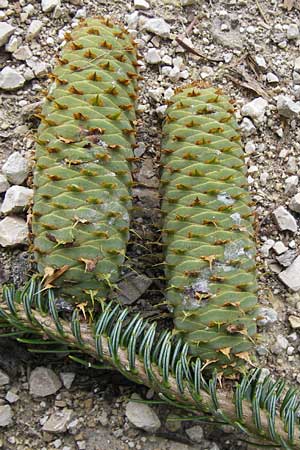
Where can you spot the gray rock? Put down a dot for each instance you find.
(295, 203)
(17, 199)
(266, 247)
(132, 20)
(13, 44)
(43, 382)
(58, 421)
(4, 184)
(6, 30)
(228, 38)
(16, 168)
(291, 184)
(39, 68)
(247, 127)
(287, 258)
(4, 378)
(266, 316)
(290, 276)
(279, 247)
(195, 433)
(293, 31)
(141, 4)
(11, 397)
(255, 109)
(67, 378)
(284, 219)
(11, 79)
(13, 232)
(49, 5)
(152, 56)
(6, 415)
(142, 416)
(132, 288)
(157, 26)
(282, 342)
(34, 29)
(287, 107)
(23, 53)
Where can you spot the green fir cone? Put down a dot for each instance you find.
(82, 179)
(208, 228)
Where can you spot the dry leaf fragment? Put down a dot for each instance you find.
(245, 356)
(225, 351)
(90, 264)
(51, 274)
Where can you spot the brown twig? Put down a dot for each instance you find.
(190, 49)
(261, 11)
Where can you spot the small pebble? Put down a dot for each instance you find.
(284, 219)
(295, 203)
(16, 168)
(290, 276)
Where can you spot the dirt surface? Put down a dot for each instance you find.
(249, 49)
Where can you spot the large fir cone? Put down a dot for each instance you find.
(208, 229)
(82, 177)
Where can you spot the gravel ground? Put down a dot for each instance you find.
(251, 50)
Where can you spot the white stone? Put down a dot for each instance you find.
(287, 107)
(49, 5)
(282, 342)
(166, 59)
(247, 127)
(81, 13)
(17, 199)
(58, 421)
(293, 31)
(39, 67)
(250, 147)
(153, 56)
(174, 74)
(295, 203)
(272, 78)
(29, 9)
(290, 276)
(142, 416)
(5, 415)
(16, 168)
(13, 231)
(34, 29)
(132, 20)
(279, 248)
(291, 184)
(264, 176)
(261, 63)
(184, 74)
(11, 79)
(4, 184)
(6, 30)
(169, 92)
(255, 109)
(157, 26)
(3, 4)
(141, 4)
(22, 53)
(284, 219)
(161, 111)
(13, 44)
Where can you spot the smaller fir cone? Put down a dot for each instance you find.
(208, 228)
(82, 178)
